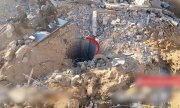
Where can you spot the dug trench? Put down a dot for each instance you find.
(59, 51)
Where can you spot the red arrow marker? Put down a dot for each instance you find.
(96, 42)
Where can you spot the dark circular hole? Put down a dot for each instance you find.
(81, 50)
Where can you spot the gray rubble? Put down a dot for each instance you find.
(123, 29)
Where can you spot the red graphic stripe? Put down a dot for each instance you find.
(159, 81)
(96, 42)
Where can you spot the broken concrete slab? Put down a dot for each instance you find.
(41, 35)
(94, 23)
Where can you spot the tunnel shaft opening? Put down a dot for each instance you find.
(81, 50)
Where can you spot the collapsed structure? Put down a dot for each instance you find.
(135, 38)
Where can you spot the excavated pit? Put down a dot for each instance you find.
(81, 50)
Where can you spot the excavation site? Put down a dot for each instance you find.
(89, 53)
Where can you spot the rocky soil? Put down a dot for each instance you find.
(133, 40)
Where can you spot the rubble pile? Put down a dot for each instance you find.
(135, 37)
(129, 33)
(21, 58)
(77, 89)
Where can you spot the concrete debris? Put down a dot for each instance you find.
(12, 45)
(142, 2)
(94, 23)
(152, 3)
(116, 6)
(40, 36)
(175, 23)
(44, 49)
(136, 105)
(118, 61)
(61, 22)
(9, 31)
(9, 55)
(11, 48)
(63, 80)
(20, 53)
(74, 79)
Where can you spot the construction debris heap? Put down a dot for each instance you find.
(46, 60)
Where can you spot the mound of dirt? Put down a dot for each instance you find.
(134, 41)
(46, 57)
